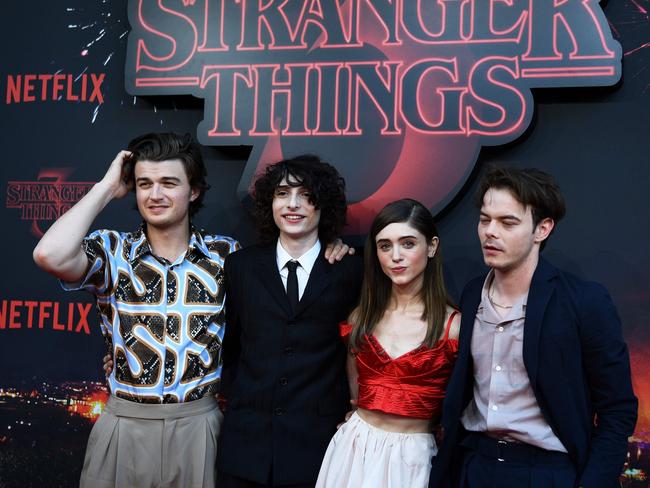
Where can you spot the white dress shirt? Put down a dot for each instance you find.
(306, 263)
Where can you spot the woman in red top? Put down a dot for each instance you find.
(402, 339)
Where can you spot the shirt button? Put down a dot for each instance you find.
(288, 350)
(500, 328)
(278, 411)
(284, 381)
(498, 368)
(495, 408)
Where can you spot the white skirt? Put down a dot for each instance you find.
(363, 456)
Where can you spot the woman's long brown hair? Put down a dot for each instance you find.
(376, 288)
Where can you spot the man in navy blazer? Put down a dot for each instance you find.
(541, 394)
(284, 361)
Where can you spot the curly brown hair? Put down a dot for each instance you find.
(324, 183)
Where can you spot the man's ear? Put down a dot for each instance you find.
(543, 229)
(194, 194)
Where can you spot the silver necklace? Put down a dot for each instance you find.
(495, 304)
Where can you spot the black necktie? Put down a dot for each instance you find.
(292, 284)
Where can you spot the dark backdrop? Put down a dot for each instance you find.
(594, 140)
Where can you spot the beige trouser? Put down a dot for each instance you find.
(146, 446)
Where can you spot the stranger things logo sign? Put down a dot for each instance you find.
(45, 199)
(399, 95)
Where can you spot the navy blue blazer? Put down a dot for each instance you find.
(284, 372)
(579, 370)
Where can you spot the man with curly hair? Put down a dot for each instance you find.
(284, 364)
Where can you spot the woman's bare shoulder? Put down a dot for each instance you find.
(454, 327)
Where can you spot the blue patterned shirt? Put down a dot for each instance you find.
(163, 321)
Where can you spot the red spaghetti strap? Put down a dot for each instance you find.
(345, 330)
(448, 326)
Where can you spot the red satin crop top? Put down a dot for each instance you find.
(412, 384)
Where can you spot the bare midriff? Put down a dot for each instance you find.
(395, 423)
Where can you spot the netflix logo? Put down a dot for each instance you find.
(33, 314)
(27, 88)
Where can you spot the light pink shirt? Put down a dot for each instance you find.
(504, 404)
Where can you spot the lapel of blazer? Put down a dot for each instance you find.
(469, 307)
(270, 277)
(319, 279)
(541, 289)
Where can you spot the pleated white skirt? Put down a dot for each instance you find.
(363, 456)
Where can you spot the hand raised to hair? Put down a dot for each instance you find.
(114, 177)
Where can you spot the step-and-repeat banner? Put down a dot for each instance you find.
(405, 98)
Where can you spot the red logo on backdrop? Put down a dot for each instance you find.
(400, 95)
(47, 198)
(53, 87)
(45, 315)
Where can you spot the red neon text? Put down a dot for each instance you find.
(439, 67)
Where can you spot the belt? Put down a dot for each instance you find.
(516, 452)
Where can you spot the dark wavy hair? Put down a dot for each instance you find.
(531, 187)
(168, 145)
(326, 189)
(377, 287)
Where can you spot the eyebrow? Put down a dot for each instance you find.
(399, 239)
(502, 217)
(163, 179)
(289, 187)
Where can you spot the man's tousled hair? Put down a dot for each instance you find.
(531, 187)
(163, 146)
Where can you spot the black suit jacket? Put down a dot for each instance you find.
(284, 373)
(579, 369)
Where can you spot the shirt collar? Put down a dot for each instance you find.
(140, 245)
(197, 242)
(488, 313)
(307, 260)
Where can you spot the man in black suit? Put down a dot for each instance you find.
(541, 394)
(284, 363)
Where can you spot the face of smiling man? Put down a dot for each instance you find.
(294, 214)
(163, 193)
